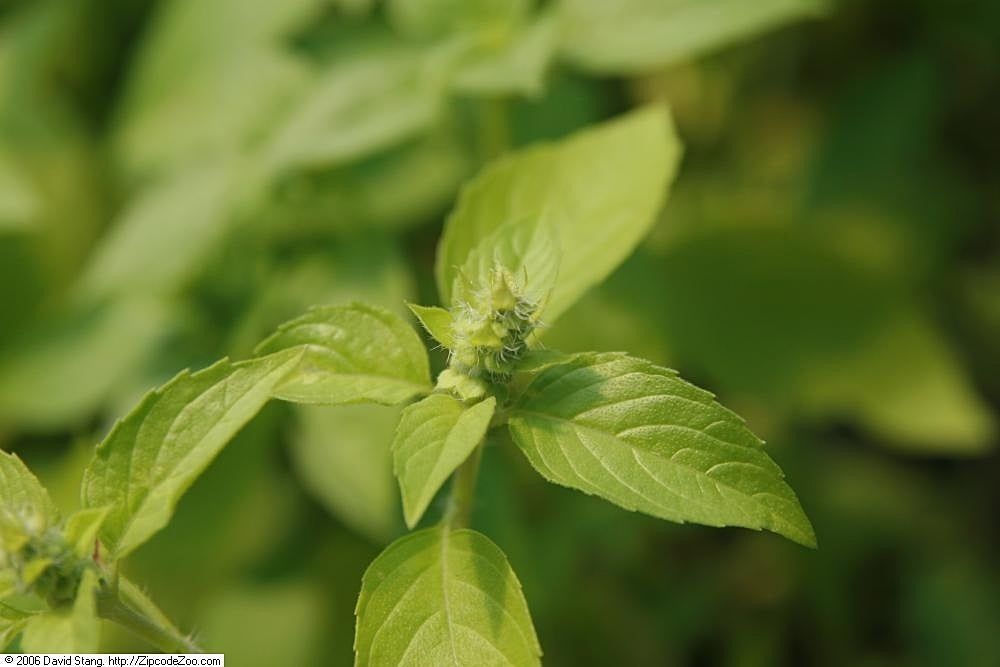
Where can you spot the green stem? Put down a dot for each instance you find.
(161, 635)
(463, 491)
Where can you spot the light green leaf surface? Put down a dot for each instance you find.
(72, 630)
(442, 597)
(603, 188)
(153, 455)
(905, 384)
(637, 435)
(342, 456)
(289, 621)
(527, 248)
(438, 18)
(433, 439)
(517, 67)
(63, 370)
(207, 78)
(352, 354)
(437, 321)
(21, 493)
(357, 107)
(19, 200)
(12, 622)
(630, 36)
(82, 528)
(164, 235)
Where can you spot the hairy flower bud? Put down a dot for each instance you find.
(490, 333)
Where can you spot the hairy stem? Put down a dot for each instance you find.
(160, 634)
(463, 491)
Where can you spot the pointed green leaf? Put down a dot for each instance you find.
(442, 597)
(437, 321)
(22, 495)
(72, 630)
(630, 36)
(82, 528)
(352, 354)
(602, 189)
(359, 106)
(637, 435)
(12, 622)
(153, 455)
(527, 248)
(534, 361)
(433, 438)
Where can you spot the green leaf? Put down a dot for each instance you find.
(630, 36)
(603, 188)
(534, 361)
(164, 235)
(527, 248)
(62, 370)
(438, 18)
(637, 435)
(12, 622)
(72, 630)
(433, 438)
(352, 354)
(206, 80)
(342, 457)
(437, 321)
(153, 455)
(19, 201)
(516, 67)
(359, 106)
(82, 528)
(268, 623)
(442, 597)
(22, 494)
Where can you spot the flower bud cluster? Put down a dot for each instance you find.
(490, 333)
(38, 559)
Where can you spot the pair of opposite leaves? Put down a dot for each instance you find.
(604, 423)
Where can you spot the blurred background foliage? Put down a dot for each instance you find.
(179, 176)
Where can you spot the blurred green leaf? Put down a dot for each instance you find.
(342, 457)
(351, 354)
(356, 108)
(18, 199)
(285, 619)
(208, 79)
(62, 371)
(72, 630)
(22, 495)
(163, 237)
(440, 596)
(607, 185)
(637, 435)
(631, 36)
(153, 455)
(906, 385)
(434, 437)
(12, 622)
(517, 66)
(438, 18)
